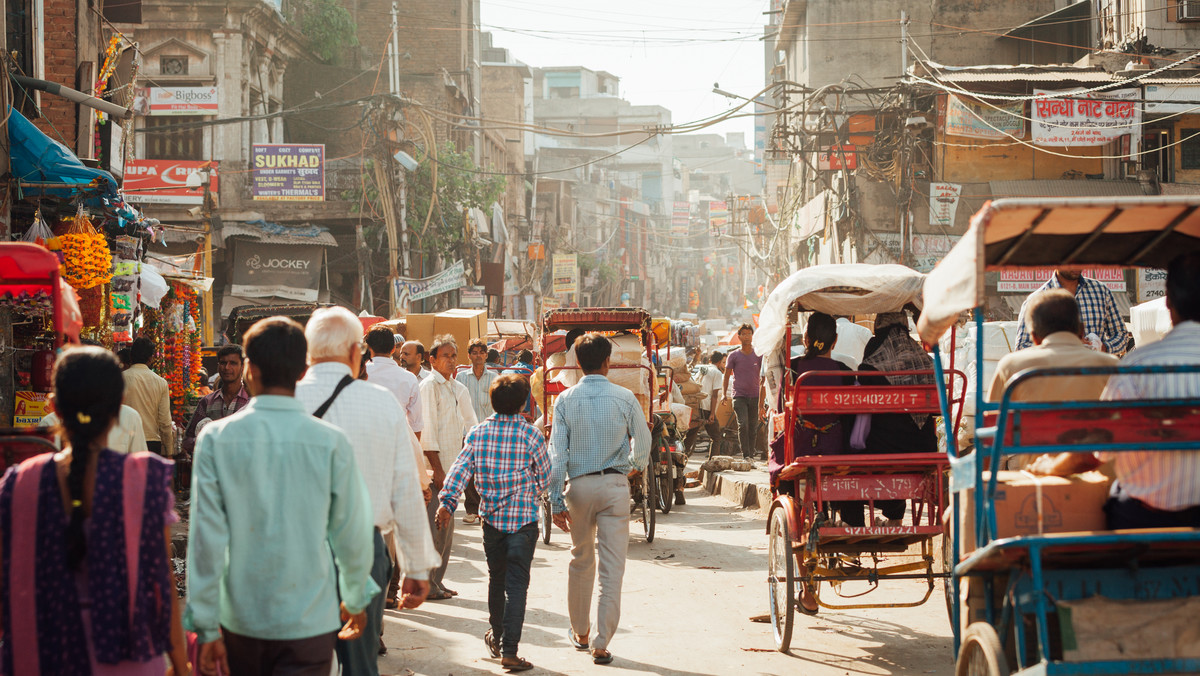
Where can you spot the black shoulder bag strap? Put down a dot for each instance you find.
(324, 408)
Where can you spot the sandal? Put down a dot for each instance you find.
(493, 646)
(601, 656)
(578, 645)
(392, 604)
(439, 596)
(521, 664)
(800, 601)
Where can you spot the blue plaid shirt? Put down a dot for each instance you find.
(593, 424)
(1097, 309)
(508, 459)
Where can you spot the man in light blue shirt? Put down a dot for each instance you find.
(590, 448)
(274, 492)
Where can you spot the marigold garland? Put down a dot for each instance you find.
(87, 260)
(179, 353)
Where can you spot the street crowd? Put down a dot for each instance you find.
(312, 510)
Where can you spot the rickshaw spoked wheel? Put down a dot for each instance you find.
(649, 500)
(666, 480)
(947, 566)
(981, 653)
(781, 581)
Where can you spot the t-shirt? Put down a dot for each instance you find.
(710, 379)
(745, 369)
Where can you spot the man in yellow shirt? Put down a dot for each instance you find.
(148, 393)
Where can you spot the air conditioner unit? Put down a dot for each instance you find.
(1188, 10)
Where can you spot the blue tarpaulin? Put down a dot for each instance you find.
(37, 158)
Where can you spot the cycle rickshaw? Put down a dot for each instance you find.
(1026, 593)
(613, 321)
(807, 547)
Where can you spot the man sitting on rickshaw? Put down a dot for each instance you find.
(1154, 489)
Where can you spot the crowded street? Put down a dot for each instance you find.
(688, 602)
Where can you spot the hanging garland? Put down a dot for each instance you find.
(177, 328)
(87, 260)
(111, 56)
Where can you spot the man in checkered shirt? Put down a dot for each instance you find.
(508, 460)
(1096, 307)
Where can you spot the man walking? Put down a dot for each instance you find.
(478, 382)
(446, 407)
(594, 424)
(710, 379)
(744, 368)
(1097, 308)
(378, 433)
(412, 358)
(383, 370)
(148, 393)
(275, 492)
(229, 398)
(506, 457)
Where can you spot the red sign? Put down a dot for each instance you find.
(830, 158)
(165, 181)
(1029, 280)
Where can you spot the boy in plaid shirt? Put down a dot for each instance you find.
(507, 458)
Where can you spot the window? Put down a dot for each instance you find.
(1189, 149)
(173, 65)
(25, 40)
(173, 144)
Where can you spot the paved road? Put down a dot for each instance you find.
(686, 604)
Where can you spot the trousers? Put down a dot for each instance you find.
(599, 507)
(746, 409)
(443, 539)
(361, 656)
(509, 557)
(250, 656)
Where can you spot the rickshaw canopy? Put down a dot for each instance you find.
(597, 319)
(842, 289)
(1037, 232)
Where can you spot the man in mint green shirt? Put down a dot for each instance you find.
(274, 492)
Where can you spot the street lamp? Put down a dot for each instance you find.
(730, 95)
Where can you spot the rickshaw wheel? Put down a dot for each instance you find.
(649, 499)
(666, 481)
(947, 566)
(981, 653)
(547, 520)
(781, 581)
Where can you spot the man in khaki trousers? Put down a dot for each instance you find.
(599, 436)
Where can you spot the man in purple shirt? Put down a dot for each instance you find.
(744, 367)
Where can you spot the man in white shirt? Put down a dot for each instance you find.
(710, 377)
(371, 419)
(382, 370)
(449, 415)
(478, 382)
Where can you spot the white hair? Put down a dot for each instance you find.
(330, 333)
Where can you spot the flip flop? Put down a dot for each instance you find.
(606, 658)
(439, 596)
(489, 639)
(577, 644)
(521, 665)
(800, 604)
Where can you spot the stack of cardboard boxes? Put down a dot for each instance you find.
(464, 325)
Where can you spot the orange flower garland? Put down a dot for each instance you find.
(180, 352)
(87, 260)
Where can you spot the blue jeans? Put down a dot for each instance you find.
(509, 556)
(361, 656)
(746, 409)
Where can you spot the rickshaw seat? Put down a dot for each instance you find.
(866, 463)
(1107, 422)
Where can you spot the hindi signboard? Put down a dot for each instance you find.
(943, 203)
(1172, 98)
(680, 216)
(1092, 120)
(291, 271)
(565, 272)
(288, 172)
(410, 289)
(974, 119)
(1032, 279)
(1151, 284)
(165, 181)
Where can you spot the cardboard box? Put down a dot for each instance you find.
(420, 327)
(29, 408)
(1027, 504)
(464, 325)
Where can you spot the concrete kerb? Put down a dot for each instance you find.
(748, 489)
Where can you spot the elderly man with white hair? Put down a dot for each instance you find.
(379, 433)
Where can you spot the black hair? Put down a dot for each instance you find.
(591, 350)
(276, 346)
(381, 340)
(1052, 311)
(572, 336)
(141, 351)
(440, 342)
(525, 357)
(1183, 286)
(231, 349)
(125, 355)
(819, 335)
(477, 342)
(716, 357)
(493, 356)
(745, 327)
(88, 388)
(509, 394)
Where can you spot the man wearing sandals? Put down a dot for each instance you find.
(594, 423)
(506, 458)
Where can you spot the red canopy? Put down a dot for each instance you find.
(27, 269)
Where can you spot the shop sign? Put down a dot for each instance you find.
(1032, 279)
(549, 303)
(973, 119)
(926, 250)
(1151, 284)
(409, 289)
(718, 217)
(679, 219)
(277, 270)
(164, 101)
(831, 158)
(29, 408)
(1172, 98)
(565, 273)
(288, 172)
(943, 203)
(165, 181)
(472, 297)
(1093, 120)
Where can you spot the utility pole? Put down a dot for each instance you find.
(903, 42)
(394, 52)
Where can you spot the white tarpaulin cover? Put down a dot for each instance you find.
(1150, 321)
(840, 289)
(954, 285)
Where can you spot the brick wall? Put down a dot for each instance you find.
(61, 59)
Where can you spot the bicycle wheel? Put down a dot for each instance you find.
(781, 578)
(981, 653)
(666, 480)
(547, 520)
(649, 499)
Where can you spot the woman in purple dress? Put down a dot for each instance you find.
(85, 582)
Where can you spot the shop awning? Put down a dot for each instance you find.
(38, 160)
